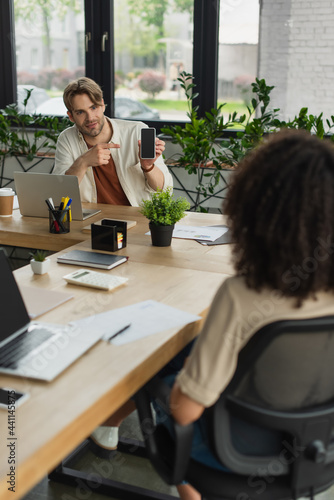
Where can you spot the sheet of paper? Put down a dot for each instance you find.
(204, 233)
(222, 240)
(146, 318)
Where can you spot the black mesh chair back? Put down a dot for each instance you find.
(283, 385)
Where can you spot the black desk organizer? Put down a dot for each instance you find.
(109, 236)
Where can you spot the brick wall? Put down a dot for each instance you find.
(296, 54)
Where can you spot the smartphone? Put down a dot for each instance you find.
(9, 397)
(147, 146)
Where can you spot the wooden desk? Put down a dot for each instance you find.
(61, 414)
(33, 232)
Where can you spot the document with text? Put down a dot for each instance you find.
(204, 233)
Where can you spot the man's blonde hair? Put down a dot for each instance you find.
(82, 85)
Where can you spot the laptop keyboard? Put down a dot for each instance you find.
(21, 346)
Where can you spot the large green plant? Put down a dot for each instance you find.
(163, 209)
(204, 142)
(26, 134)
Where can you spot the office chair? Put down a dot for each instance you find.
(284, 382)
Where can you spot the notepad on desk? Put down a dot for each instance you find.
(91, 259)
(39, 301)
(129, 224)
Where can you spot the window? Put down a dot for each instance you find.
(153, 44)
(238, 52)
(135, 49)
(34, 58)
(49, 56)
(291, 48)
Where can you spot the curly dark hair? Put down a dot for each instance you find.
(280, 209)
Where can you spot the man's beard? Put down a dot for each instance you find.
(96, 131)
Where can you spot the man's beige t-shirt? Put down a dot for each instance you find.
(236, 313)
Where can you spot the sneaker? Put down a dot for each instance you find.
(105, 437)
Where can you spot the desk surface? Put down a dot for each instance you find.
(61, 414)
(33, 232)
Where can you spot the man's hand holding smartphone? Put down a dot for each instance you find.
(150, 148)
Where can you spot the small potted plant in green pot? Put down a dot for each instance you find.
(39, 263)
(163, 211)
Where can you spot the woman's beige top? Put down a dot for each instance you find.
(236, 313)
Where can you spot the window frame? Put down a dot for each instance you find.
(99, 19)
(8, 84)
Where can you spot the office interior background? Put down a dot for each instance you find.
(136, 49)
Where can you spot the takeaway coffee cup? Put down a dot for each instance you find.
(6, 202)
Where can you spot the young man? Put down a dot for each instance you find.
(104, 153)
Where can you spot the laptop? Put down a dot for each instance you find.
(35, 349)
(33, 189)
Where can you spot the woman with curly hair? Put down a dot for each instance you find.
(280, 210)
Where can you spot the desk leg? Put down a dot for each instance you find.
(105, 486)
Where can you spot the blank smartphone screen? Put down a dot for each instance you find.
(6, 399)
(147, 143)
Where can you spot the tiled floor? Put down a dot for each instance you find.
(124, 467)
(327, 495)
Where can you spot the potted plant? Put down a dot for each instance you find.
(27, 141)
(39, 263)
(210, 150)
(163, 211)
(207, 148)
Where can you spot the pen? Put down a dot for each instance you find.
(119, 332)
(55, 222)
(50, 207)
(56, 219)
(66, 210)
(68, 205)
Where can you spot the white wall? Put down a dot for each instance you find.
(296, 54)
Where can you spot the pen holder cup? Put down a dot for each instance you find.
(59, 220)
(109, 236)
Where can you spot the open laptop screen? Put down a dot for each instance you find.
(13, 312)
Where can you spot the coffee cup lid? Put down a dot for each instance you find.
(6, 192)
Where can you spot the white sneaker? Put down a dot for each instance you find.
(105, 437)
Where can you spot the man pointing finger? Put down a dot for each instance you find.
(104, 153)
